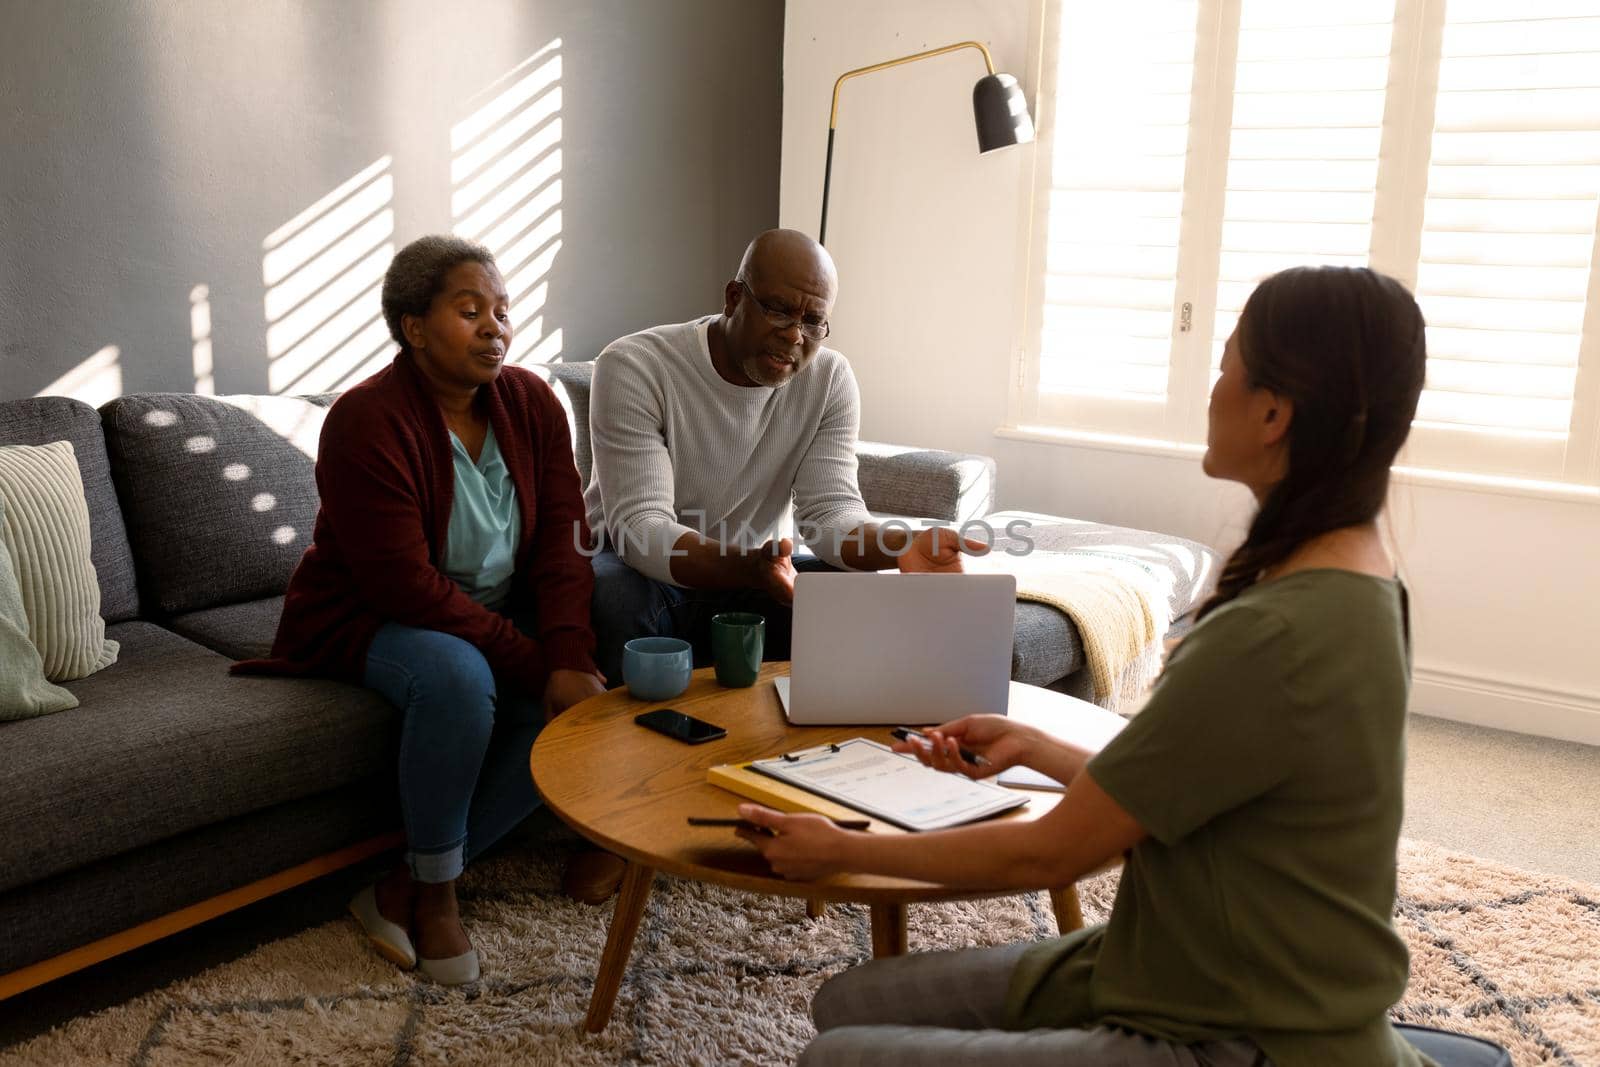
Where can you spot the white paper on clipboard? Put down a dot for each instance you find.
(898, 789)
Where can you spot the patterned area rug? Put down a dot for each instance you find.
(722, 977)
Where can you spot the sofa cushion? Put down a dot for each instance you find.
(930, 483)
(46, 534)
(573, 381)
(1192, 565)
(220, 493)
(166, 741)
(1047, 645)
(43, 419)
(238, 631)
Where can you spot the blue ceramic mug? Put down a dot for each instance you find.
(656, 668)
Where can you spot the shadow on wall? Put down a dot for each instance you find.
(323, 272)
(214, 196)
(323, 269)
(505, 176)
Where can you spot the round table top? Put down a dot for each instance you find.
(630, 790)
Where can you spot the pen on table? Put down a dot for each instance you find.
(906, 733)
(746, 824)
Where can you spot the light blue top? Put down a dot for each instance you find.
(480, 549)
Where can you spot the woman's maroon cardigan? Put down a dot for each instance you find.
(387, 481)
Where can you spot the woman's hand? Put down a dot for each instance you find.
(938, 551)
(567, 687)
(1002, 742)
(801, 847)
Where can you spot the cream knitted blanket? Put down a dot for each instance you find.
(1120, 604)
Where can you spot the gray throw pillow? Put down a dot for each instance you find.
(24, 692)
(219, 493)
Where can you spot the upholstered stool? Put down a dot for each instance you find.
(1454, 1050)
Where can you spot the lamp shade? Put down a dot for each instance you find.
(1001, 113)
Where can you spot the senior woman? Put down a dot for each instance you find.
(446, 572)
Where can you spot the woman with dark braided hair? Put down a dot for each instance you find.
(1256, 800)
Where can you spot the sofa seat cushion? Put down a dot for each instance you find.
(165, 741)
(238, 631)
(1047, 645)
(219, 493)
(43, 419)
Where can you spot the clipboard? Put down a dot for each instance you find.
(740, 779)
(898, 789)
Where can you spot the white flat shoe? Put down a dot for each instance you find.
(390, 939)
(454, 970)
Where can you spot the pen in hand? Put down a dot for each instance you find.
(906, 733)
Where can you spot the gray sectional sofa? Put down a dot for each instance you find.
(174, 782)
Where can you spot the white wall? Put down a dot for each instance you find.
(927, 236)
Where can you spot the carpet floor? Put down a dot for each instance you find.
(724, 977)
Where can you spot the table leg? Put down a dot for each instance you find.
(1069, 914)
(888, 930)
(631, 899)
(816, 908)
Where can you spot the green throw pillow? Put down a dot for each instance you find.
(24, 692)
(46, 530)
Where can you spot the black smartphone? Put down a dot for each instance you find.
(675, 724)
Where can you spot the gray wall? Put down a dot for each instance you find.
(148, 147)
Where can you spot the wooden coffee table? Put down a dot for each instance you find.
(630, 790)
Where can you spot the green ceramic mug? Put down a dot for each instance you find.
(736, 642)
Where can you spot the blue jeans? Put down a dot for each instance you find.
(464, 777)
(626, 604)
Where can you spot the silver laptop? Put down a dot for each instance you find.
(899, 648)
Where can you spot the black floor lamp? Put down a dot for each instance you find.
(998, 108)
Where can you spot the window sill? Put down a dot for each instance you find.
(1108, 442)
(1432, 479)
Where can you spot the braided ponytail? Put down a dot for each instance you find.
(1346, 346)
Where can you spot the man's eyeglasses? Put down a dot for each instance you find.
(781, 318)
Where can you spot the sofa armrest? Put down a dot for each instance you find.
(925, 483)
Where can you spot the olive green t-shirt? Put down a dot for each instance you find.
(1267, 769)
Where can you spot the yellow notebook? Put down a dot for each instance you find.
(739, 778)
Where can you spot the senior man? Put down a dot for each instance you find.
(705, 434)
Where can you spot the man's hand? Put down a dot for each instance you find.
(566, 688)
(938, 551)
(1002, 742)
(801, 847)
(772, 570)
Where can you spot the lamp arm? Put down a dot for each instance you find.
(833, 112)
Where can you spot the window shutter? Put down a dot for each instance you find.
(1197, 146)
(1308, 104)
(1508, 234)
(1119, 144)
